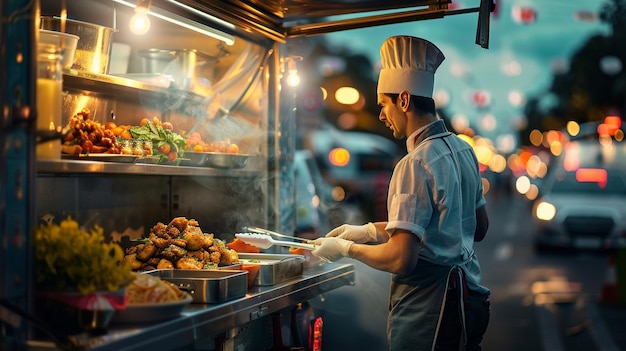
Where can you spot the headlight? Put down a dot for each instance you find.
(545, 211)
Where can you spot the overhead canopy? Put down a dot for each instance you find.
(282, 19)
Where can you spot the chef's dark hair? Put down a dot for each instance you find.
(421, 104)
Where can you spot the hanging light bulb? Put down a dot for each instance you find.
(140, 23)
(293, 79)
(145, 5)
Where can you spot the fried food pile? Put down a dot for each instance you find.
(88, 136)
(180, 244)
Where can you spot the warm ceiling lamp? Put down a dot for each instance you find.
(140, 22)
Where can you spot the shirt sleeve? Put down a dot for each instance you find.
(410, 205)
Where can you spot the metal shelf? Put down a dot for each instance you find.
(90, 167)
(200, 320)
(130, 90)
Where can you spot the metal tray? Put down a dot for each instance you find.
(102, 157)
(214, 159)
(274, 268)
(207, 286)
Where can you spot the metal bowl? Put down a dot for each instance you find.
(94, 46)
(222, 160)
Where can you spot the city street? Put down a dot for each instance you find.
(540, 301)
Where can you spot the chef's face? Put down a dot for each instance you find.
(393, 115)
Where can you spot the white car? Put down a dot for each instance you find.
(582, 203)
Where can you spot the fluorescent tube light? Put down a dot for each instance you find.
(185, 22)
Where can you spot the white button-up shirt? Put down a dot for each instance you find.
(434, 193)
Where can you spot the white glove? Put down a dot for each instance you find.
(331, 249)
(360, 234)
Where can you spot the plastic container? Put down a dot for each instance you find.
(67, 43)
(49, 100)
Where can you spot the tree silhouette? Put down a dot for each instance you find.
(594, 85)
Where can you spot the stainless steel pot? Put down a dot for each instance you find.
(190, 69)
(94, 46)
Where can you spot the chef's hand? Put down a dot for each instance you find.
(360, 234)
(331, 249)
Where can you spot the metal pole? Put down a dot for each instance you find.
(17, 166)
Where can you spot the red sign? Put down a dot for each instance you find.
(524, 14)
(480, 98)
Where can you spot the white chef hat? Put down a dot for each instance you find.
(408, 63)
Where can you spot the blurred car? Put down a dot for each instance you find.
(320, 206)
(360, 163)
(582, 202)
(314, 199)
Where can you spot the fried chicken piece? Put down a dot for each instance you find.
(146, 252)
(162, 241)
(234, 256)
(188, 263)
(165, 264)
(192, 222)
(217, 245)
(227, 257)
(180, 242)
(179, 223)
(176, 250)
(173, 231)
(133, 249)
(154, 261)
(135, 264)
(208, 240)
(193, 230)
(159, 229)
(195, 241)
(168, 255)
(216, 257)
(199, 255)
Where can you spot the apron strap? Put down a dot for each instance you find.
(458, 284)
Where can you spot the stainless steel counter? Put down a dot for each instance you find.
(201, 320)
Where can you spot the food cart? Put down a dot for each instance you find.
(214, 68)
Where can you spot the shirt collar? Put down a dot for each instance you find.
(419, 135)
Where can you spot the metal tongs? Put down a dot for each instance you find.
(269, 232)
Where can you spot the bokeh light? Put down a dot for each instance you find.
(347, 95)
(339, 157)
(535, 137)
(573, 128)
(522, 184)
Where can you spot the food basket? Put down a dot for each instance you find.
(207, 286)
(273, 268)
